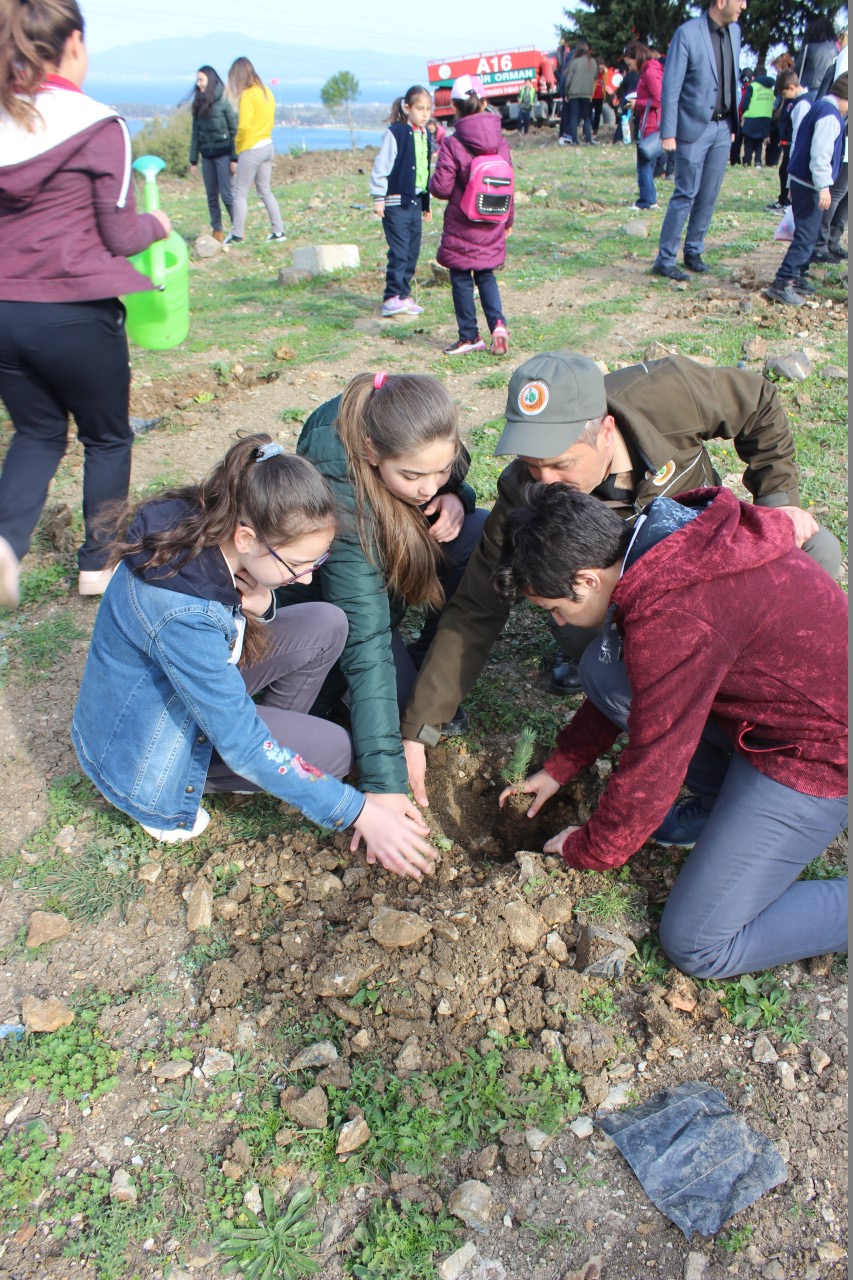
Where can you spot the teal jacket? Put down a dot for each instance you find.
(351, 581)
(214, 134)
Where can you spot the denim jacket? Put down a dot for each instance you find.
(158, 694)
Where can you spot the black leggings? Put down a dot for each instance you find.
(56, 359)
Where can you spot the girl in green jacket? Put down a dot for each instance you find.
(390, 449)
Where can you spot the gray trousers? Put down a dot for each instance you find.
(254, 166)
(699, 171)
(305, 641)
(737, 905)
(834, 220)
(216, 171)
(823, 548)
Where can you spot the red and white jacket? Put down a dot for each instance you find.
(68, 217)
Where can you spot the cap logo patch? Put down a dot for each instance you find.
(532, 398)
(663, 474)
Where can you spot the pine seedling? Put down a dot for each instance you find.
(519, 764)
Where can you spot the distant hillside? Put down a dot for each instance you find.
(165, 65)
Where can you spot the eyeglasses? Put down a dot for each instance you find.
(311, 568)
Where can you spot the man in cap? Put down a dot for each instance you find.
(628, 437)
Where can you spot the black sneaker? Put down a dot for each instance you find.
(693, 262)
(669, 270)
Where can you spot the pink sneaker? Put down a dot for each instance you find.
(462, 347)
(394, 307)
(500, 341)
(412, 307)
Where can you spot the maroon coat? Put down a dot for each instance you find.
(467, 245)
(724, 617)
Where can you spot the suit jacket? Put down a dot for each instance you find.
(690, 81)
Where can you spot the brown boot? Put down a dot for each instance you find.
(218, 235)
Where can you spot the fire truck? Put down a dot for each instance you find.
(503, 73)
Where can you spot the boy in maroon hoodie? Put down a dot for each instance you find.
(724, 659)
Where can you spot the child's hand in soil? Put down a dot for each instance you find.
(394, 832)
(540, 784)
(555, 844)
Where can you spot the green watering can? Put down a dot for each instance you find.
(159, 318)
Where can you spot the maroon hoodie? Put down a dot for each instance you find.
(467, 245)
(68, 216)
(724, 617)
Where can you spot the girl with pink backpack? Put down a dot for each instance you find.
(474, 175)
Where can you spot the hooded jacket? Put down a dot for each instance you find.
(467, 245)
(214, 134)
(161, 690)
(720, 617)
(68, 217)
(667, 411)
(648, 94)
(352, 580)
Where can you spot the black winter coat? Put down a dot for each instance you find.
(213, 134)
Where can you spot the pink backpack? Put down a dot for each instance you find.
(487, 196)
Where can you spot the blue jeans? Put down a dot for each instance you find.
(216, 171)
(403, 228)
(737, 906)
(523, 120)
(462, 286)
(646, 182)
(580, 109)
(699, 171)
(807, 220)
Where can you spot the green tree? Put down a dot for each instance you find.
(609, 24)
(766, 24)
(340, 91)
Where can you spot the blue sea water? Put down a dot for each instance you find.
(287, 138)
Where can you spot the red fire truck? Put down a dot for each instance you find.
(502, 73)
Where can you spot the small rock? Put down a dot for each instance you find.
(45, 1015)
(369, 325)
(658, 351)
(321, 1054)
(755, 348)
(454, 1264)
(696, 1266)
(361, 1041)
(763, 1051)
(342, 979)
(537, 1139)
(592, 1269)
(215, 1061)
(47, 926)
(602, 953)
(774, 1271)
(172, 1070)
(617, 1097)
(334, 1229)
(352, 1135)
(206, 246)
(150, 872)
(833, 372)
(200, 906)
(24, 1234)
(311, 1111)
(831, 1252)
(795, 366)
(398, 928)
(556, 948)
(787, 1078)
(472, 1203)
(525, 926)
(122, 1189)
(819, 1061)
(556, 909)
(683, 995)
(292, 275)
(410, 1057)
(441, 274)
(285, 353)
(582, 1127)
(252, 1200)
(232, 1169)
(636, 228)
(200, 1254)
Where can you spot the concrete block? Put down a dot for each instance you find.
(320, 259)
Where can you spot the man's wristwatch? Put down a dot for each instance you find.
(429, 735)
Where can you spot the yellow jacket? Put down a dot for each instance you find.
(257, 117)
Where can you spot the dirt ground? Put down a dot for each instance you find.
(498, 951)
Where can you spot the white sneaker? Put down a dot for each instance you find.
(93, 582)
(395, 307)
(10, 571)
(412, 307)
(176, 834)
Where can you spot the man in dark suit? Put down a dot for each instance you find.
(698, 113)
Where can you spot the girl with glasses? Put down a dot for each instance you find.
(189, 634)
(390, 449)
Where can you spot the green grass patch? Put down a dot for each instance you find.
(44, 582)
(36, 649)
(400, 1244)
(28, 1160)
(278, 1244)
(75, 1063)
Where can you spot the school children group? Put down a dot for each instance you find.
(249, 634)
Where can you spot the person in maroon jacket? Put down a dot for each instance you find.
(67, 223)
(724, 659)
(471, 250)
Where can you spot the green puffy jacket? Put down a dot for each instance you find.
(213, 134)
(351, 581)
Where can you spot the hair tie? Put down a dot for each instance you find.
(267, 451)
(379, 380)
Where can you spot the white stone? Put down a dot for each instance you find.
(216, 1061)
(122, 1189)
(455, 1263)
(252, 1200)
(537, 1139)
(582, 1127)
(320, 259)
(696, 1266)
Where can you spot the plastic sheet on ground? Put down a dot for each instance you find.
(697, 1162)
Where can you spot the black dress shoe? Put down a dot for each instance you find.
(672, 272)
(693, 262)
(565, 678)
(457, 726)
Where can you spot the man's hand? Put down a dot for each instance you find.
(805, 525)
(540, 784)
(555, 844)
(193, 169)
(416, 764)
(379, 208)
(451, 516)
(667, 144)
(394, 839)
(254, 598)
(427, 215)
(824, 199)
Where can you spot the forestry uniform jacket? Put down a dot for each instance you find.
(666, 410)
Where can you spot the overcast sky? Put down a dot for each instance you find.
(435, 29)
